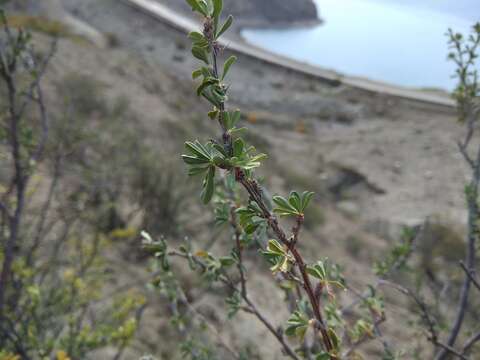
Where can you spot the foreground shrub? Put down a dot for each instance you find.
(319, 326)
(53, 273)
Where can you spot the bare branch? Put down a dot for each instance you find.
(472, 196)
(213, 329)
(463, 150)
(238, 233)
(450, 350)
(470, 342)
(421, 305)
(365, 338)
(471, 275)
(252, 309)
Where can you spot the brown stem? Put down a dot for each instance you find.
(300, 263)
(255, 193)
(233, 222)
(243, 283)
(253, 310)
(471, 275)
(19, 184)
(470, 257)
(313, 299)
(470, 342)
(296, 229)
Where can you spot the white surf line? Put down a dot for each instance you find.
(185, 24)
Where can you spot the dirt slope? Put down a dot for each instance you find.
(375, 162)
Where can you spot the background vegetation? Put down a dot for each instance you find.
(83, 174)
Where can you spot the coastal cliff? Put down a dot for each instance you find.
(262, 12)
(247, 13)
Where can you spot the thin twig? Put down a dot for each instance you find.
(253, 189)
(278, 335)
(366, 337)
(470, 342)
(213, 329)
(433, 335)
(472, 197)
(465, 60)
(471, 275)
(252, 309)
(238, 233)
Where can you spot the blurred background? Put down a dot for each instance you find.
(350, 99)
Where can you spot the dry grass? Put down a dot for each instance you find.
(43, 25)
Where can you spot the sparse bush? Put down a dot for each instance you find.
(53, 273)
(320, 326)
(84, 93)
(441, 291)
(227, 166)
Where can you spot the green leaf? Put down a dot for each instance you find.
(334, 338)
(193, 171)
(306, 198)
(284, 208)
(213, 100)
(230, 119)
(157, 248)
(238, 147)
(207, 72)
(283, 265)
(234, 117)
(220, 161)
(200, 53)
(276, 248)
(323, 356)
(318, 271)
(196, 7)
(192, 160)
(196, 36)
(225, 26)
(213, 114)
(197, 73)
(209, 185)
(281, 202)
(218, 94)
(295, 205)
(227, 261)
(255, 161)
(251, 228)
(196, 148)
(217, 8)
(277, 254)
(206, 83)
(205, 7)
(226, 67)
(220, 149)
(297, 325)
(209, 6)
(233, 303)
(294, 200)
(237, 131)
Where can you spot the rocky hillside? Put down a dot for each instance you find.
(261, 12)
(352, 148)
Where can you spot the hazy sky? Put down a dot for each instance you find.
(469, 9)
(397, 41)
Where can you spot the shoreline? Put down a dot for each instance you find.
(243, 24)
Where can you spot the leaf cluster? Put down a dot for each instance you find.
(205, 159)
(294, 206)
(278, 255)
